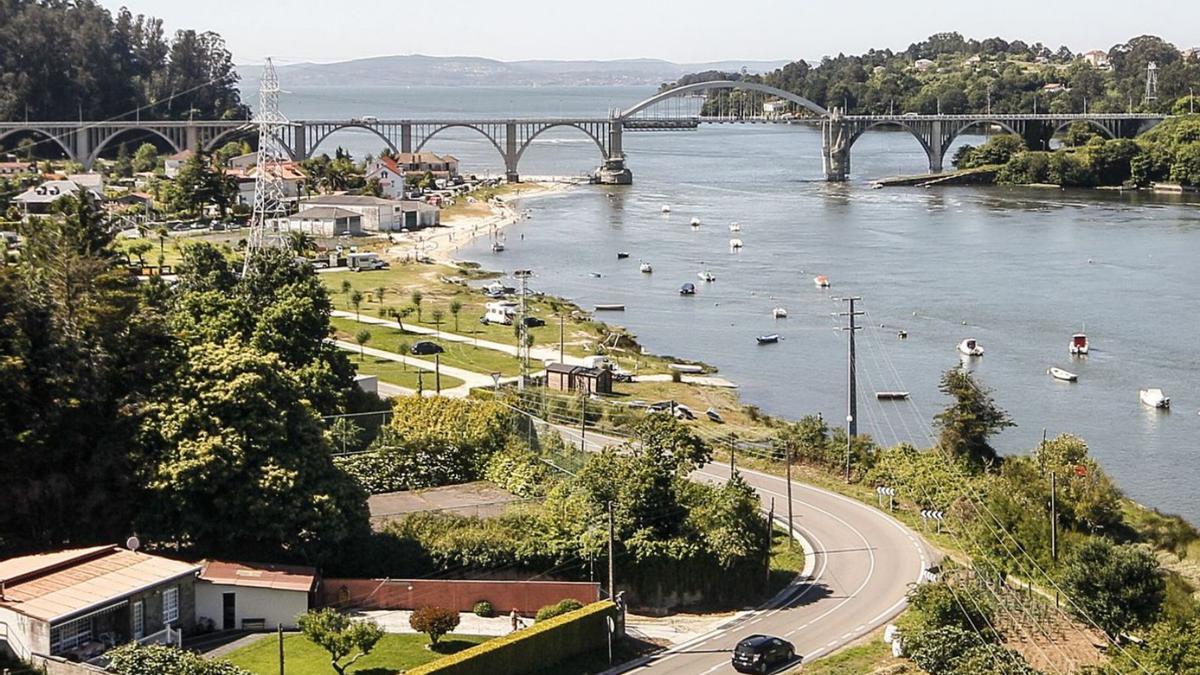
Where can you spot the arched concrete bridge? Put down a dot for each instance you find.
(679, 109)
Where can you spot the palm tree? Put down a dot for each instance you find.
(356, 299)
(455, 308)
(362, 337)
(438, 315)
(417, 296)
(300, 243)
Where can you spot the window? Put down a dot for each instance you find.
(139, 620)
(70, 635)
(171, 605)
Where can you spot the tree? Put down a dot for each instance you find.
(299, 243)
(356, 298)
(1116, 586)
(380, 291)
(434, 622)
(970, 420)
(417, 297)
(342, 637)
(145, 158)
(346, 286)
(140, 248)
(136, 659)
(362, 337)
(438, 315)
(455, 307)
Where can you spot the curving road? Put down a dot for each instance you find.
(862, 564)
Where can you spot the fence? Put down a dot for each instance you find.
(460, 595)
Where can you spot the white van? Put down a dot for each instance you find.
(500, 312)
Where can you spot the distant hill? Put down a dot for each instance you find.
(419, 70)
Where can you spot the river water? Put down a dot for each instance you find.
(1020, 269)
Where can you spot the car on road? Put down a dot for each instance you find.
(426, 348)
(534, 322)
(762, 654)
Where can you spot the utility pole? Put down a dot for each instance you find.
(788, 450)
(522, 329)
(732, 455)
(852, 398)
(611, 536)
(561, 338)
(1053, 516)
(770, 531)
(437, 373)
(281, 649)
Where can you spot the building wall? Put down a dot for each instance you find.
(56, 665)
(525, 596)
(22, 636)
(275, 607)
(153, 606)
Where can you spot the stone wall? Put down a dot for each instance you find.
(461, 595)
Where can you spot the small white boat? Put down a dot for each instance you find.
(1154, 398)
(891, 395)
(1079, 344)
(1060, 374)
(610, 308)
(646, 268)
(821, 281)
(686, 368)
(767, 339)
(735, 227)
(497, 247)
(695, 222)
(595, 275)
(735, 243)
(779, 313)
(706, 276)
(969, 347)
(666, 208)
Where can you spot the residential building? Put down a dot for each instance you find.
(13, 168)
(77, 603)
(379, 214)
(173, 163)
(923, 64)
(91, 181)
(1096, 58)
(1190, 54)
(291, 177)
(254, 596)
(243, 161)
(1054, 88)
(564, 377)
(40, 199)
(391, 172)
(324, 221)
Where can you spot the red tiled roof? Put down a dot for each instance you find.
(260, 575)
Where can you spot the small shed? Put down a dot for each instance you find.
(558, 376)
(563, 377)
(254, 596)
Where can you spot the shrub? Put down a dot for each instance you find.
(484, 609)
(562, 607)
(433, 621)
(135, 659)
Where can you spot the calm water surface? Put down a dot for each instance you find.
(1019, 269)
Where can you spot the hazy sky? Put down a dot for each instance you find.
(678, 30)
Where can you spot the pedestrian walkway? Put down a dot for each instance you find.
(470, 378)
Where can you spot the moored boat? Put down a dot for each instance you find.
(706, 276)
(779, 313)
(645, 268)
(497, 247)
(610, 308)
(821, 281)
(970, 347)
(621, 255)
(666, 208)
(1079, 344)
(1154, 397)
(1060, 374)
(735, 227)
(686, 368)
(768, 339)
(735, 243)
(891, 395)
(687, 289)
(695, 222)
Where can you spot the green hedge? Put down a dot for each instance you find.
(539, 646)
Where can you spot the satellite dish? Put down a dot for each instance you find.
(133, 543)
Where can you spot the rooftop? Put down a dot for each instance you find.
(324, 213)
(260, 575)
(349, 200)
(57, 585)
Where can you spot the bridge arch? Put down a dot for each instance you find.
(41, 132)
(1095, 124)
(312, 151)
(95, 154)
(529, 141)
(440, 129)
(723, 84)
(888, 123)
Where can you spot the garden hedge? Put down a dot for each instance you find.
(541, 645)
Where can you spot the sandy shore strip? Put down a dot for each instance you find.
(442, 243)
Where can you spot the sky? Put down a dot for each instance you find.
(685, 31)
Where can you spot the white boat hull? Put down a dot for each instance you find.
(1154, 398)
(1063, 375)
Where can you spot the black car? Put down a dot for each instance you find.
(425, 348)
(762, 653)
(534, 322)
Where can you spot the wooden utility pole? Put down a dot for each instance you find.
(788, 450)
(561, 339)
(770, 532)
(281, 649)
(437, 373)
(732, 455)
(1053, 516)
(852, 398)
(582, 421)
(612, 590)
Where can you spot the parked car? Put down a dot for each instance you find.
(762, 653)
(426, 348)
(534, 322)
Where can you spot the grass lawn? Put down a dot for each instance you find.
(397, 374)
(868, 657)
(787, 560)
(394, 653)
(457, 355)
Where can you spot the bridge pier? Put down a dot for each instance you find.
(835, 148)
(614, 171)
(83, 148)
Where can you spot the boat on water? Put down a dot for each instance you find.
(735, 227)
(687, 289)
(666, 208)
(497, 247)
(821, 281)
(695, 222)
(735, 243)
(1079, 344)
(1154, 397)
(595, 275)
(779, 313)
(686, 368)
(610, 308)
(645, 268)
(706, 276)
(714, 415)
(891, 395)
(768, 339)
(1060, 374)
(621, 255)
(970, 347)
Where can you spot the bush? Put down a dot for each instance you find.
(433, 621)
(135, 659)
(562, 607)
(484, 609)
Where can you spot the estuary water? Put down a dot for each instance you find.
(1020, 269)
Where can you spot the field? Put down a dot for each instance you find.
(395, 653)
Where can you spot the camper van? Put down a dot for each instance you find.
(359, 262)
(500, 312)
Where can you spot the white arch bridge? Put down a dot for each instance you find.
(682, 108)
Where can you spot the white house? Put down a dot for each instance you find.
(379, 214)
(324, 221)
(173, 163)
(250, 596)
(1096, 58)
(40, 198)
(923, 64)
(291, 180)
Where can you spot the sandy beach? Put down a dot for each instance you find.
(474, 220)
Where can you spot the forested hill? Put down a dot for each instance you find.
(962, 74)
(61, 60)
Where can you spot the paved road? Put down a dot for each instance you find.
(863, 563)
